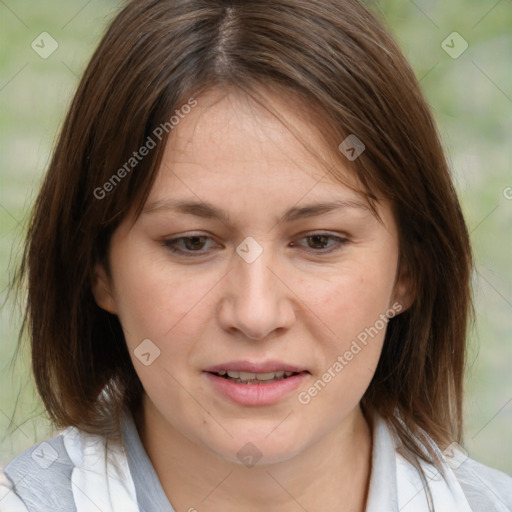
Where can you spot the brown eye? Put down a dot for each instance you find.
(318, 241)
(194, 242)
(322, 242)
(187, 244)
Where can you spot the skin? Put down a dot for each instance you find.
(294, 303)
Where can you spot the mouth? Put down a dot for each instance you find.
(254, 378)
(250, 383)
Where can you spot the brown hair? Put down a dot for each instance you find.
(338, 59)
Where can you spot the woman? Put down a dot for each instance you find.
(248, 275)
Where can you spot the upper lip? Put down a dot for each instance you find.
(255, 367)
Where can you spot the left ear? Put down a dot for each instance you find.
(404, 292)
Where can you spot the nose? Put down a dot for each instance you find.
(256, 300)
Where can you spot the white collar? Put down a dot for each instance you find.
(395, 483)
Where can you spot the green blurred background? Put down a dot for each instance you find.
(471, 97)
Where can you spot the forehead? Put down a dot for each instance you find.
(231, 160)
(229, 142)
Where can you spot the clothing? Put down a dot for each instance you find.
(77, 472)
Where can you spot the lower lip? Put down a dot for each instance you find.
(256, 394)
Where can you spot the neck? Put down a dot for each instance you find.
(332, 474)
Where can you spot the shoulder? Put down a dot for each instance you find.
(57, 474)
(40, 475)
(456, 482)
(485, 488)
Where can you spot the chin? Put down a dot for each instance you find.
(258, 450)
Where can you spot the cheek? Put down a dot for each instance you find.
(352, 306)
(155, 300)
(353, 297)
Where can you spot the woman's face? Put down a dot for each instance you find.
(234, 266)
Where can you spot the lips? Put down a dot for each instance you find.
(252, 383)
(255, 367)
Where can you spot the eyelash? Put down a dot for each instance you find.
(171, 243)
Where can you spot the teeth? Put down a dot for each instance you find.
(250, 378)
(267, 376)
(245, 375)
(241, 375)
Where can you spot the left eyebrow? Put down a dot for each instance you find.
(209, 211)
